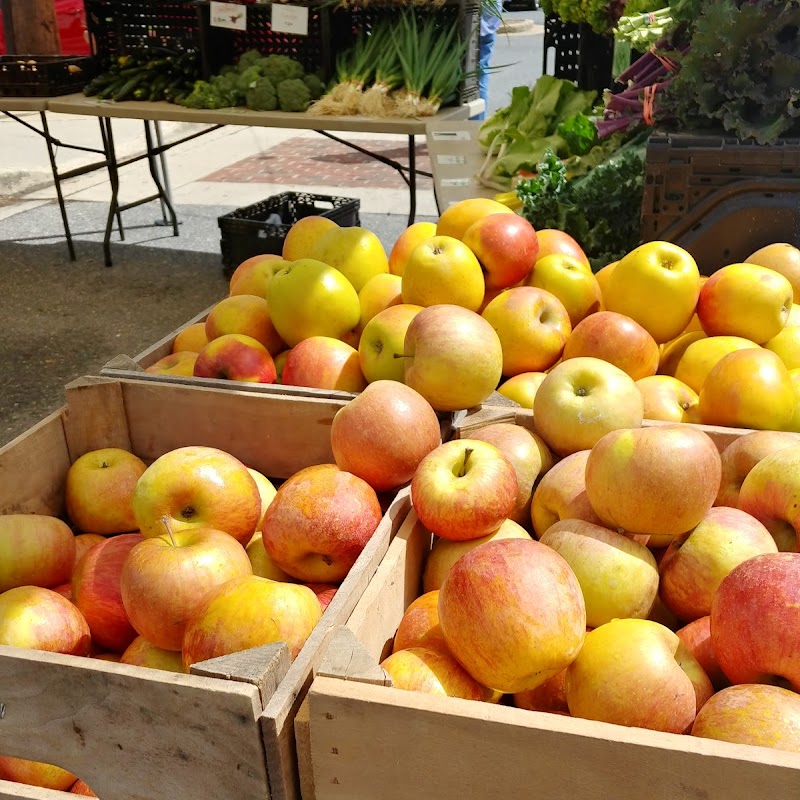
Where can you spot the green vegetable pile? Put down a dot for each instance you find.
(601, 209)
(147, 74)
(602, 15)
(262, 83)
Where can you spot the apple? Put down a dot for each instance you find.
(99, 489)
(618, 577)
(748, 389)
(382, 435)
(280, 363)
(85, 542)
(197, 487)
(379, 293)
(41, 619)
(786, 345)
(266, 492)
(794, 423)
(321, 362)
(549, 697)
(581, 401)
(522, 388)
(695, 565)
(80, 788)
(533, 327)
(453, 357)
(97, 592)
(443, 270)
(309, 298)
(356, 252)
(764, 716)
(464, 489)
(302, 238)
(325, 592)
(319, 522)
(561, 494)
(253, 275)
(603, 276)
(638, 673)
(235, 357)
(457, 218)
(755, 621)
(419, 626)
(701, 356)
(672, 352)
(250, 612)
(445, 553)
(506, 247)
(512, 614)
(165, 579)
(783, 258)
(696, 636)
(262, 564)
(552, 241)
(382, 341)
(406, 242)
(529, 456)
(658, 482)
(571, 281)
(35, 550)
(180, 363)
(141, 653)
(745, 300)
(617, 339)
(191, 339)
(434, 671)
(247, 315)
(35, 773)
(666, 398)
(657, 285)
(741, 455)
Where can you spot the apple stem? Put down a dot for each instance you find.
(402, 355)
(165, 523)
(463, 471)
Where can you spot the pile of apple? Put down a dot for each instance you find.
(505, 305)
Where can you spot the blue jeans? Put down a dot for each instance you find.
(485, 49)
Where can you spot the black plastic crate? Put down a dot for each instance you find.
(246, 232)
(117, 27)
(44, 76)
(581, 54)
(719, 197)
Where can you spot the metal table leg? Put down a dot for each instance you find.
(57, 180)
(152, 160)
(412, 180)
(113, 176)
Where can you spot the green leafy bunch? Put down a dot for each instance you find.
(602, 15)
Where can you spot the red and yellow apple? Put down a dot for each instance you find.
(235, 357)
(666, 398)
(412, 236)
(571, 281)
(180, 363)
(553, 241)
(701, 356)
(419, 626)
(379, 293)
(141, 653)
(191, 339)
(302, 238)
(325, 592)
(522, 388)
(35, 550)
(321, 362)
(35, 773)
(696, 636)
(782, 258)
(382, 342)
(247, 315)
(253, 275)
(457, 218)
(356, 252)
(262, 564)
(549, 697)
(85, 542)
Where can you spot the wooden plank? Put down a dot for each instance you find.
(95, 416)
(372, 741)
(302, 737)
(277, 721)
(19, 791)
(133, 733)
(263, 667)
(35, 28)
(395, 586)
(33, 469)
(275, 435)
(347, 659)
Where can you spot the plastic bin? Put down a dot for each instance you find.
(246, 231)
(720, 198)
(581, 55)
(44, 76)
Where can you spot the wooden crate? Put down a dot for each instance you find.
(226, 730)
(360, 739)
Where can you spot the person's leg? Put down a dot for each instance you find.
(485, 49)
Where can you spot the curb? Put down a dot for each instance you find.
(517, 26)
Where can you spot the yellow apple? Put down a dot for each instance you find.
(571, 281)
(379, 293)
(419, 626)
(783, 258)
(603, 277)
(794, 316)
(142, 653)
(702, 356)
(406, 242)
(382, 339)
(266, 491)
(262, 564)
(522, 388)
(657, 285)
(309, 298)
(192, 339)
(794, 424)
(304, 235)
(670, 353)
(178, 363)
(356, 252)
(459, 217)
(786, 345)
(666, 398)
(533, 327)
(443, 270)
(280, 363)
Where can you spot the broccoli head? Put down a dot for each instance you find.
(281, 68)
(261, 96)
(227, 87)
(204, 95)
(249, 59)
(293, 95)
(247, 79)
(315, 86)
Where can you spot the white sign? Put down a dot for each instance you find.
(290, 19)
(456, 182)
(451, 160)
(449, 136)
(228, 15)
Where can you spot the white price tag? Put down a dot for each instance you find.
(456, 182)
(450, 160)
(228, 15)
(449, 136)
(290, 19)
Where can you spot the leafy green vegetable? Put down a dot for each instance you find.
(579, 133)
(743, 70)
(600, 14)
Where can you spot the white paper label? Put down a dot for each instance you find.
(449, 136)
(290, 19)
(228, 15)
(450, 160)
(456, 182)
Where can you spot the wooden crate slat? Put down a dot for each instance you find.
(19, 791)
(98, 423)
